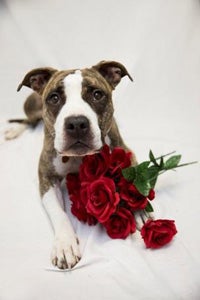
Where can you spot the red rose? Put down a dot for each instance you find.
(73, 186)
(119, 160)
(131, 195)
(158, 233)
(79, 211)
(100, 198)
(78, 208)
(95, 166)
(120, 224)
(151, 195)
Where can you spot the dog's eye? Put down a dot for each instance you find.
(98, 94)
(54, 99)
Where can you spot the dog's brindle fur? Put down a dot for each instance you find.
(55, 93)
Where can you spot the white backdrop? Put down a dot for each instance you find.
(159, 43)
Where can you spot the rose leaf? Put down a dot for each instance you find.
(152, 158)
(129, 173)
(149, 207)
(142, 184)
(172, 162)
(153, 173)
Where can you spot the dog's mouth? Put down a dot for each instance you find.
(78, 148)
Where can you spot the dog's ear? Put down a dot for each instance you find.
(37, 79)
(112, 71)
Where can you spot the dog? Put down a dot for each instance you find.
(77, 110)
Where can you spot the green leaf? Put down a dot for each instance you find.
(149, 207)
(172, 162)
(141, 179)
(143, 166)
(161, 165)
(153, 173)
(152, 158)
(143, 185)
(129, 173)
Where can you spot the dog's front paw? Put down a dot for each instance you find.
(66, 253)
(141, 217)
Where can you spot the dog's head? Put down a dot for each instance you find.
(77, 104)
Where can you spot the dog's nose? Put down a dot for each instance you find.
(77, 126)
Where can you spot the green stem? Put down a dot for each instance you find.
(187, 164)
(173, 169)
(156, 176)
(165, 155)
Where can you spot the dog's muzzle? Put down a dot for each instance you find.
(77, 127)
(78, 135)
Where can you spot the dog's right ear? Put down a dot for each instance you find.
(37, 79)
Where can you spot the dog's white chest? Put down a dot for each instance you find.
(63, 168)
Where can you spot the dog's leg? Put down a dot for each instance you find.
(65, 253)
(14, 132)
(33, 111)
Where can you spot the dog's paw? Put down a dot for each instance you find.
(141, 217)
(13, 133)
(65, 253)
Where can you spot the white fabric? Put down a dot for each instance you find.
(159, 43)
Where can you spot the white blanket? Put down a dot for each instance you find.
(159, 43)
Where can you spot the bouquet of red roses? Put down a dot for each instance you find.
(109, 190)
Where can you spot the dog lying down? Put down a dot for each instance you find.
(77, 110)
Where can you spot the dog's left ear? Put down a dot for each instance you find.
(112, 71)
